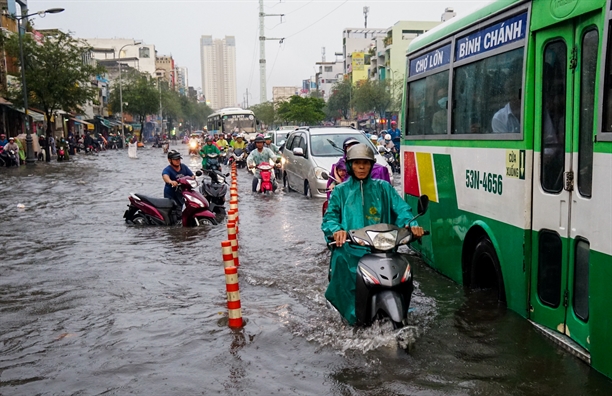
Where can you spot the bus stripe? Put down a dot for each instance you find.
(427, 176)
(411, 182)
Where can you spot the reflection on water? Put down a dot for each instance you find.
(89, 305)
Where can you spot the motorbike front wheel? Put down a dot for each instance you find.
(204, 221)
(139, 220)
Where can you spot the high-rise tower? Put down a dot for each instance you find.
(218, 62)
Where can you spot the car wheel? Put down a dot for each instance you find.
(286, 182)
(307, 191)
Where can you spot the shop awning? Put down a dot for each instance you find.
(113, 123)
(105, 123)
(89, 125)
(4, 102)
(36, 116)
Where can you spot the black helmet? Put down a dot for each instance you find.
(173, 154)
(259, 139)
(349, 142)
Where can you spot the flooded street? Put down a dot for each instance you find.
(91, 306)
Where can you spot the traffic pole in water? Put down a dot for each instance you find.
(231, 233)
(233, 298)
(228, 256)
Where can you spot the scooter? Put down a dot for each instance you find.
(165, 146)
(389, 155)
(384, 282)
(62, 154)
(194, 147)
(239, 156)
(215, 190)
(10, 158)
(266, 185)
(144, 210)
(212, 162)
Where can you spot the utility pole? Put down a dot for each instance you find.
(263, 97)
(247, 98)
(366, 9)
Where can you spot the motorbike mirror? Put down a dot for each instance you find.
(227, 174)
(198, 173)
(423, 204)
(324, 175)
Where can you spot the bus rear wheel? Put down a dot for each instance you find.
(485, 270)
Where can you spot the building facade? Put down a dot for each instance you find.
(182, 79)
(141, 56)
(356, 43)
(281, 94)
(328, 74)
(218, 64)
(164, 68)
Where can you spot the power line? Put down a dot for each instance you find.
(274, 63)
(318, 20)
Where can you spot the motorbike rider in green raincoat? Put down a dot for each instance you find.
(358, 202)
(208, 148)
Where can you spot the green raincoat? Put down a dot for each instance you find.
(353, 205)
(208, 149)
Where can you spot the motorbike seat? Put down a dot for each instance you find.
(162, 203)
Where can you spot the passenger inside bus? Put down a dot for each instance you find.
(508, 118)
(440, 117)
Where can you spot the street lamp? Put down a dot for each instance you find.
(30, 159)
(121, 91)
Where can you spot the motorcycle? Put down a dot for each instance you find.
(278, 165)
(238, 156)
(223, 156)
(266, 184)
(165, 146)
(194, 147)
(212, 162)
(62, 154)
(9, 158)
(389, 155)
(144, 210)
(215, 190)
(384, 281)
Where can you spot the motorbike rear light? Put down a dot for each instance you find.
(407, 274)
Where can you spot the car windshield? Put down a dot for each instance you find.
(321, 145)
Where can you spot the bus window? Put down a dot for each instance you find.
(487, 95)
(581, 279)
(553, 116)
(607, 110)
(427, 105)
(590, 43)
(550, 264)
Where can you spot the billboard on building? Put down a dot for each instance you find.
(358, 61)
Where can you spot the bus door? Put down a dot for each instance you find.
(566, 68)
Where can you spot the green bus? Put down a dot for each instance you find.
(507, 120)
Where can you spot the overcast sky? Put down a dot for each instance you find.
(175, 27)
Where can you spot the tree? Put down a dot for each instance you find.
(140, 97)
(302, 110)
(372, 96)
(339, 102)
(265, 112)
(57, 76)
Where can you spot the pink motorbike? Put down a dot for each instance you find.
(144, 210)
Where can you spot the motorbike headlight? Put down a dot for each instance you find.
(384, 240)
(319, 173)
(195, 200)
(407, 274)
(283, 160)
(193, 183)
(221, 179)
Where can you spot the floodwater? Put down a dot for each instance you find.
(91, 306)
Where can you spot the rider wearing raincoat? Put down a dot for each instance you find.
(356, 203)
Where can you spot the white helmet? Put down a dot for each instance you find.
(373, 138)
(387, 137)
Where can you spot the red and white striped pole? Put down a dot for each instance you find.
(233, 298)
(231, 230)
(228, 255)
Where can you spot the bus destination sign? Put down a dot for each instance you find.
(495, 36)
(431, 60)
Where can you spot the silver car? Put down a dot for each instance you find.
(309, 152)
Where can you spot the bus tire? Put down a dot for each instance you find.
(485, 270)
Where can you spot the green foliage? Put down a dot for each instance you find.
(265, 112)
(339, 102)
(302, 110)
(194, 114)
(56, 76)
(372, 96)
(140, 96)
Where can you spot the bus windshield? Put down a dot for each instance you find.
(244, 122)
